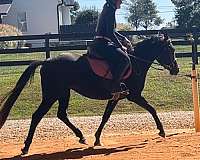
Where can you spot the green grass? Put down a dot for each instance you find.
(31, 56)
(165, 92)
(180, 48)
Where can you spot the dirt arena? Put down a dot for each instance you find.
(126, 137)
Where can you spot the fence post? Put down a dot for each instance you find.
(195, 91)
(47, 45)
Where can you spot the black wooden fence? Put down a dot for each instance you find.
(87, 37)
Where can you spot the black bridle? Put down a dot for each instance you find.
(169, 67)
(147, 62)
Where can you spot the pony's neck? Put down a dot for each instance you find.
(143, 60)
(145, 52)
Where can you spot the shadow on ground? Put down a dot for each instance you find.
(77, 153)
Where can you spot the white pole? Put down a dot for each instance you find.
(66, 18)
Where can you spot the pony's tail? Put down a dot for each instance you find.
(12, 96)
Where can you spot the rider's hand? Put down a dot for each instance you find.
(126, 40)
(127, 44)
(124, 48)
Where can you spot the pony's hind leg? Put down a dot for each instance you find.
(36, 118)
(63, 115)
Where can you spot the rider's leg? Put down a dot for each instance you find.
(121, 62)
(118, 61)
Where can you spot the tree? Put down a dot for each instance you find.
(88, 16)
(74, 11)
(135, 15)
(150, 14)
(143, 13)
(187, 13)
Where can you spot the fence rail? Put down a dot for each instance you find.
(47, 48)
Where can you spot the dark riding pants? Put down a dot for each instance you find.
(118, 60)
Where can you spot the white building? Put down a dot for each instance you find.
(35, 16)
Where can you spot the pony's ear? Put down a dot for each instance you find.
(160, 36)
(166, 37)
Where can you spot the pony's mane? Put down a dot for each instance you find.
(143, 47)
(141, 44)
(147, 40)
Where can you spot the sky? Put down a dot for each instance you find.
(165, 8)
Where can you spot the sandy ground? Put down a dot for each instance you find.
(116, 147)
(118, 144)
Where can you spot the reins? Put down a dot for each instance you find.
(148, 62)
(188, 76)
(158, 64)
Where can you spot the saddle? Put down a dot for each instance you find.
(101, 67)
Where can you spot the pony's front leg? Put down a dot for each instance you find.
(109, 108)
(144, 104)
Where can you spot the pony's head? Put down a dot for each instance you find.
(166, 54)
(157, 48)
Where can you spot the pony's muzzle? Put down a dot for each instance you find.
(174, 68)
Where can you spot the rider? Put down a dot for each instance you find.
(108, 43)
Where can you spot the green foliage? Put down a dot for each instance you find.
(88, 16)
(187, 13)
(76, 6)
(74, 11)
(135, 15)
(143, 13)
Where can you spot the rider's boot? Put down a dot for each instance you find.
(119, 89)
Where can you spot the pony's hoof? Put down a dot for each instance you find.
(83, 141)
(24, 151)
(97, 143)
(162, 134)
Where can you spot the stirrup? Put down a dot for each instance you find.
(119, 95)
(115, 96)
(124, 91)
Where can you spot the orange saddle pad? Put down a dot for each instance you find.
(101, 68)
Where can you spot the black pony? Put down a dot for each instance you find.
(60, 74)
